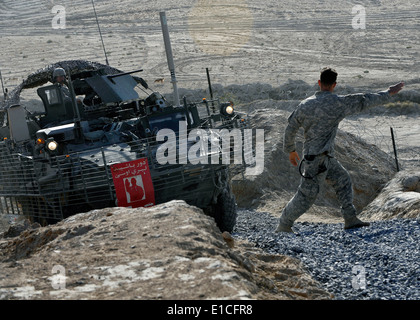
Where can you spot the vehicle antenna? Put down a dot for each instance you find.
(2, 86)
(210, 88)
(100, 33)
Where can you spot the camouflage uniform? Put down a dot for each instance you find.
(66, 92)
(320, 116)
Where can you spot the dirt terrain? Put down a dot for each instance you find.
(242, 42)
(171, 251)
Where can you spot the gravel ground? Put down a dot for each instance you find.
(378, 262)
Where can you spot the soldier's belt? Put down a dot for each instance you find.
(311, 157)
(321, 168)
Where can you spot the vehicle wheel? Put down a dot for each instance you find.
(26, 204)
(225, 211)
(37, 210)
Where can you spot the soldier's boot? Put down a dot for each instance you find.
(354, 222)
(284, 225)
(284, 228)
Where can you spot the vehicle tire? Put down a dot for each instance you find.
(225, 211)
(37, 210)
(27, 208)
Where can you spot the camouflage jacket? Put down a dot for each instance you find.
(320, 115)
(66, 93)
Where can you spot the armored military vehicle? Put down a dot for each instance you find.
(105, 145)
(104, 138)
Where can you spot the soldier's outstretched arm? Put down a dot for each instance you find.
(354, 103)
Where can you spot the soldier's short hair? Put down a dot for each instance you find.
(328, 76)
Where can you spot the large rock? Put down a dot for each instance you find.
(400, 198)
(369, 167)
(170, 251)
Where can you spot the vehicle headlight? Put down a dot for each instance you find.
(52, 145)
(227, 109)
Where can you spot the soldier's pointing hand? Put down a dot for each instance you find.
(396, 88)
(294, 158)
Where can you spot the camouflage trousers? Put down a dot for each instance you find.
(321, 168)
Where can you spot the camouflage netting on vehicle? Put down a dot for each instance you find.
(42, 76)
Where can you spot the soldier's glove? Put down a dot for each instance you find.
(294, 158)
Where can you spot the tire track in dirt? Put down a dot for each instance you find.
(289, 39)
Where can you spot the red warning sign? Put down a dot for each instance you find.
(133, 184)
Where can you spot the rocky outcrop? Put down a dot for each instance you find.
(400, 198)
(169, 251)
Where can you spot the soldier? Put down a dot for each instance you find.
(319, 116)
(59, 77)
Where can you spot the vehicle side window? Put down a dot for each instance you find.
(52, 96)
